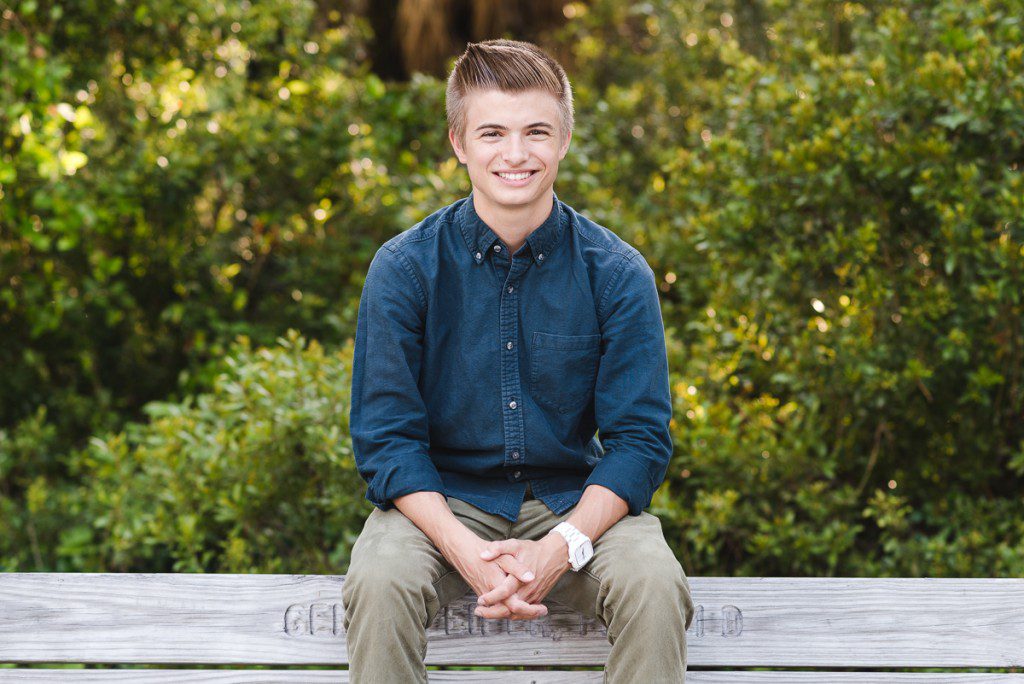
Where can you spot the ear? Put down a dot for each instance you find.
(457, 146)
(565, 146)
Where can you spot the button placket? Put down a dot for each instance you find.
(508, 321)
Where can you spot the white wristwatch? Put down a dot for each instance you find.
(580, 548)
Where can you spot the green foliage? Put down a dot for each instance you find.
(198, 178)
(830, 194)
(840, 240)
(254, 476)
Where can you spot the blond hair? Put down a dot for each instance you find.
(509, 65)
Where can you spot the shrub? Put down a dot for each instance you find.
(254, 476)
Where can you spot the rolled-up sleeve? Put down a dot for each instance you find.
(388, 417)
(632, 402)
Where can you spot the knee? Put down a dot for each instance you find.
(656, 591)
(379, 583)
(659, 573)
(376, 585)
(381, 575)
(663, 579)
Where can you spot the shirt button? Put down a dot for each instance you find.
(497, 248)
(510, 288)
(540, 257)
(517, 474)
(478, 255)
(512, 404)
(508, 346)
(515, 455)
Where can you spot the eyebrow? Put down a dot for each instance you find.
(539, 124)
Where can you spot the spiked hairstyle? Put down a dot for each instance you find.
(508, 65)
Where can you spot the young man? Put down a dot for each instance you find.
(494, 338)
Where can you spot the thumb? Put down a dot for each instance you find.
(495, 548)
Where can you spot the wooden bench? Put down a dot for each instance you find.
(287, 620)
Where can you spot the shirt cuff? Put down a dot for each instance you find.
(392, 483)
(627, 477)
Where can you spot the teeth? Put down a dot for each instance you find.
(514, 176)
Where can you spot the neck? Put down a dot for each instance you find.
(514, 225)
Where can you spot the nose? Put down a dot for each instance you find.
(515, 150)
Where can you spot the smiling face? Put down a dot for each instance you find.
(511, 148)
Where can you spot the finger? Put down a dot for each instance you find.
(499, 593)
(523, 610)
(498, 547)
(493, 612)
(516, 567)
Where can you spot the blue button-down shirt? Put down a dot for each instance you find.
(477, 371)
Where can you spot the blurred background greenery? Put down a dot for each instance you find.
(830, 194)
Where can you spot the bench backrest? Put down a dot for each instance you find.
(297, 619)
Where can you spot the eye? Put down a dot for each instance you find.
(489, 134)
(538, 130)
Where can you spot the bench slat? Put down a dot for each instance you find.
(36, 676)
(297, 619)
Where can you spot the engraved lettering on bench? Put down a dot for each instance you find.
(459, 619)
(456, 621)
(732, 621)
(316, 619)
(295, 622)
(728, 622)
(321, 619)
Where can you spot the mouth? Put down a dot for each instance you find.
(516, 179)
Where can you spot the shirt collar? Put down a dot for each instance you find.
(480, 238)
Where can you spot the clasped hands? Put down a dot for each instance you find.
(512, 576)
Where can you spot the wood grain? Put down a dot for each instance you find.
(297, 619)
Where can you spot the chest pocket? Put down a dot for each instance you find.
(563, 370)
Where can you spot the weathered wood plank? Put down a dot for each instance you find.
(295, 620)
(39, 676)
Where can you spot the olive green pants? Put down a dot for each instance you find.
(398, 581)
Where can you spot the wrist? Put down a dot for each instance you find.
(557, 545)
(455, 538)
(558, 548)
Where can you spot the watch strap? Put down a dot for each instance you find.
(574, 538)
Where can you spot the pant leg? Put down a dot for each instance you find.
(635, 586)
(396, 583)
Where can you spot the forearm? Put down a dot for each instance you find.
(429, 511)
(598, 509)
